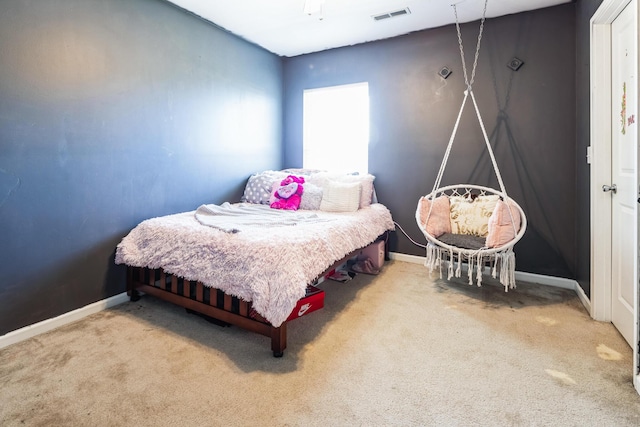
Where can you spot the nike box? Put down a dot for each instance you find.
(375, 252)
(312, 301)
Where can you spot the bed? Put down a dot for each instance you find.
(252, 266)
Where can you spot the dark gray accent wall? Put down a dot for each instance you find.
(112, 112)
(529, 114)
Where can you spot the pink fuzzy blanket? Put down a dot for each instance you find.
(270, 266)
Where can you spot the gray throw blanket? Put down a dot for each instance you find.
(233, 218)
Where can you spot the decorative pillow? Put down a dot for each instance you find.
(366, 195)
(340, 197)
(471, 216)
(311, 198)
(322, 179)
(288, 193)
(500, 226)
(274, 188)
(259, 187)
(439, 220)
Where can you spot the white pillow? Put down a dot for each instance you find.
(365, 181)
(340, 197)
(366, 195)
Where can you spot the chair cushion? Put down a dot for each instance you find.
(463, 241)
(439, 220)
(500, 227)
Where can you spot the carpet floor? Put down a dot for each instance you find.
(398, 349)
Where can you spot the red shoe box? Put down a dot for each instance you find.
(312, 301)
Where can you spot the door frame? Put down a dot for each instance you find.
(600, 156)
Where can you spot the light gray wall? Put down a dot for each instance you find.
(112, 112)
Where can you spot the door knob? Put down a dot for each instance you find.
(613, 188)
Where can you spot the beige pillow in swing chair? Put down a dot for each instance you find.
(471, 215)
(439, 221)
(501, 230)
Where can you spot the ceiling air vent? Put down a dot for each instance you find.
(393, 14)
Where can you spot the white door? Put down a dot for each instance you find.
(624, 142)
(608, 71)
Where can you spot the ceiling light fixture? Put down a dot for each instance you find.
(311, 7)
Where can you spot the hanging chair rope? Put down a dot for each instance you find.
(467, 82)
(501, 259)
(467, 92)
(475, 60)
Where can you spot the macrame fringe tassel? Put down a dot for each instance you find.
(507, 261)
(433, 258)
(502, 265)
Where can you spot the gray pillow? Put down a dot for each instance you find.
(311, 197)
(259, 187)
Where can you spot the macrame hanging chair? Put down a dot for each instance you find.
(502, 221)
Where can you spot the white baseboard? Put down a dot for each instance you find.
(414, 259)
(558, 282)
(583, 298)
(64, 319)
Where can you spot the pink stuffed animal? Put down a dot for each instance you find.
(288, 194)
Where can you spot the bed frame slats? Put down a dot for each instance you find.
(244, 308)
(174, 284)
(199, 292)
(201, 299)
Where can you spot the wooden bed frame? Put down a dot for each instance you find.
(213, 303)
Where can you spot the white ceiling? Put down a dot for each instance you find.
(282, 27)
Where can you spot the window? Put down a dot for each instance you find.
(336, 128)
